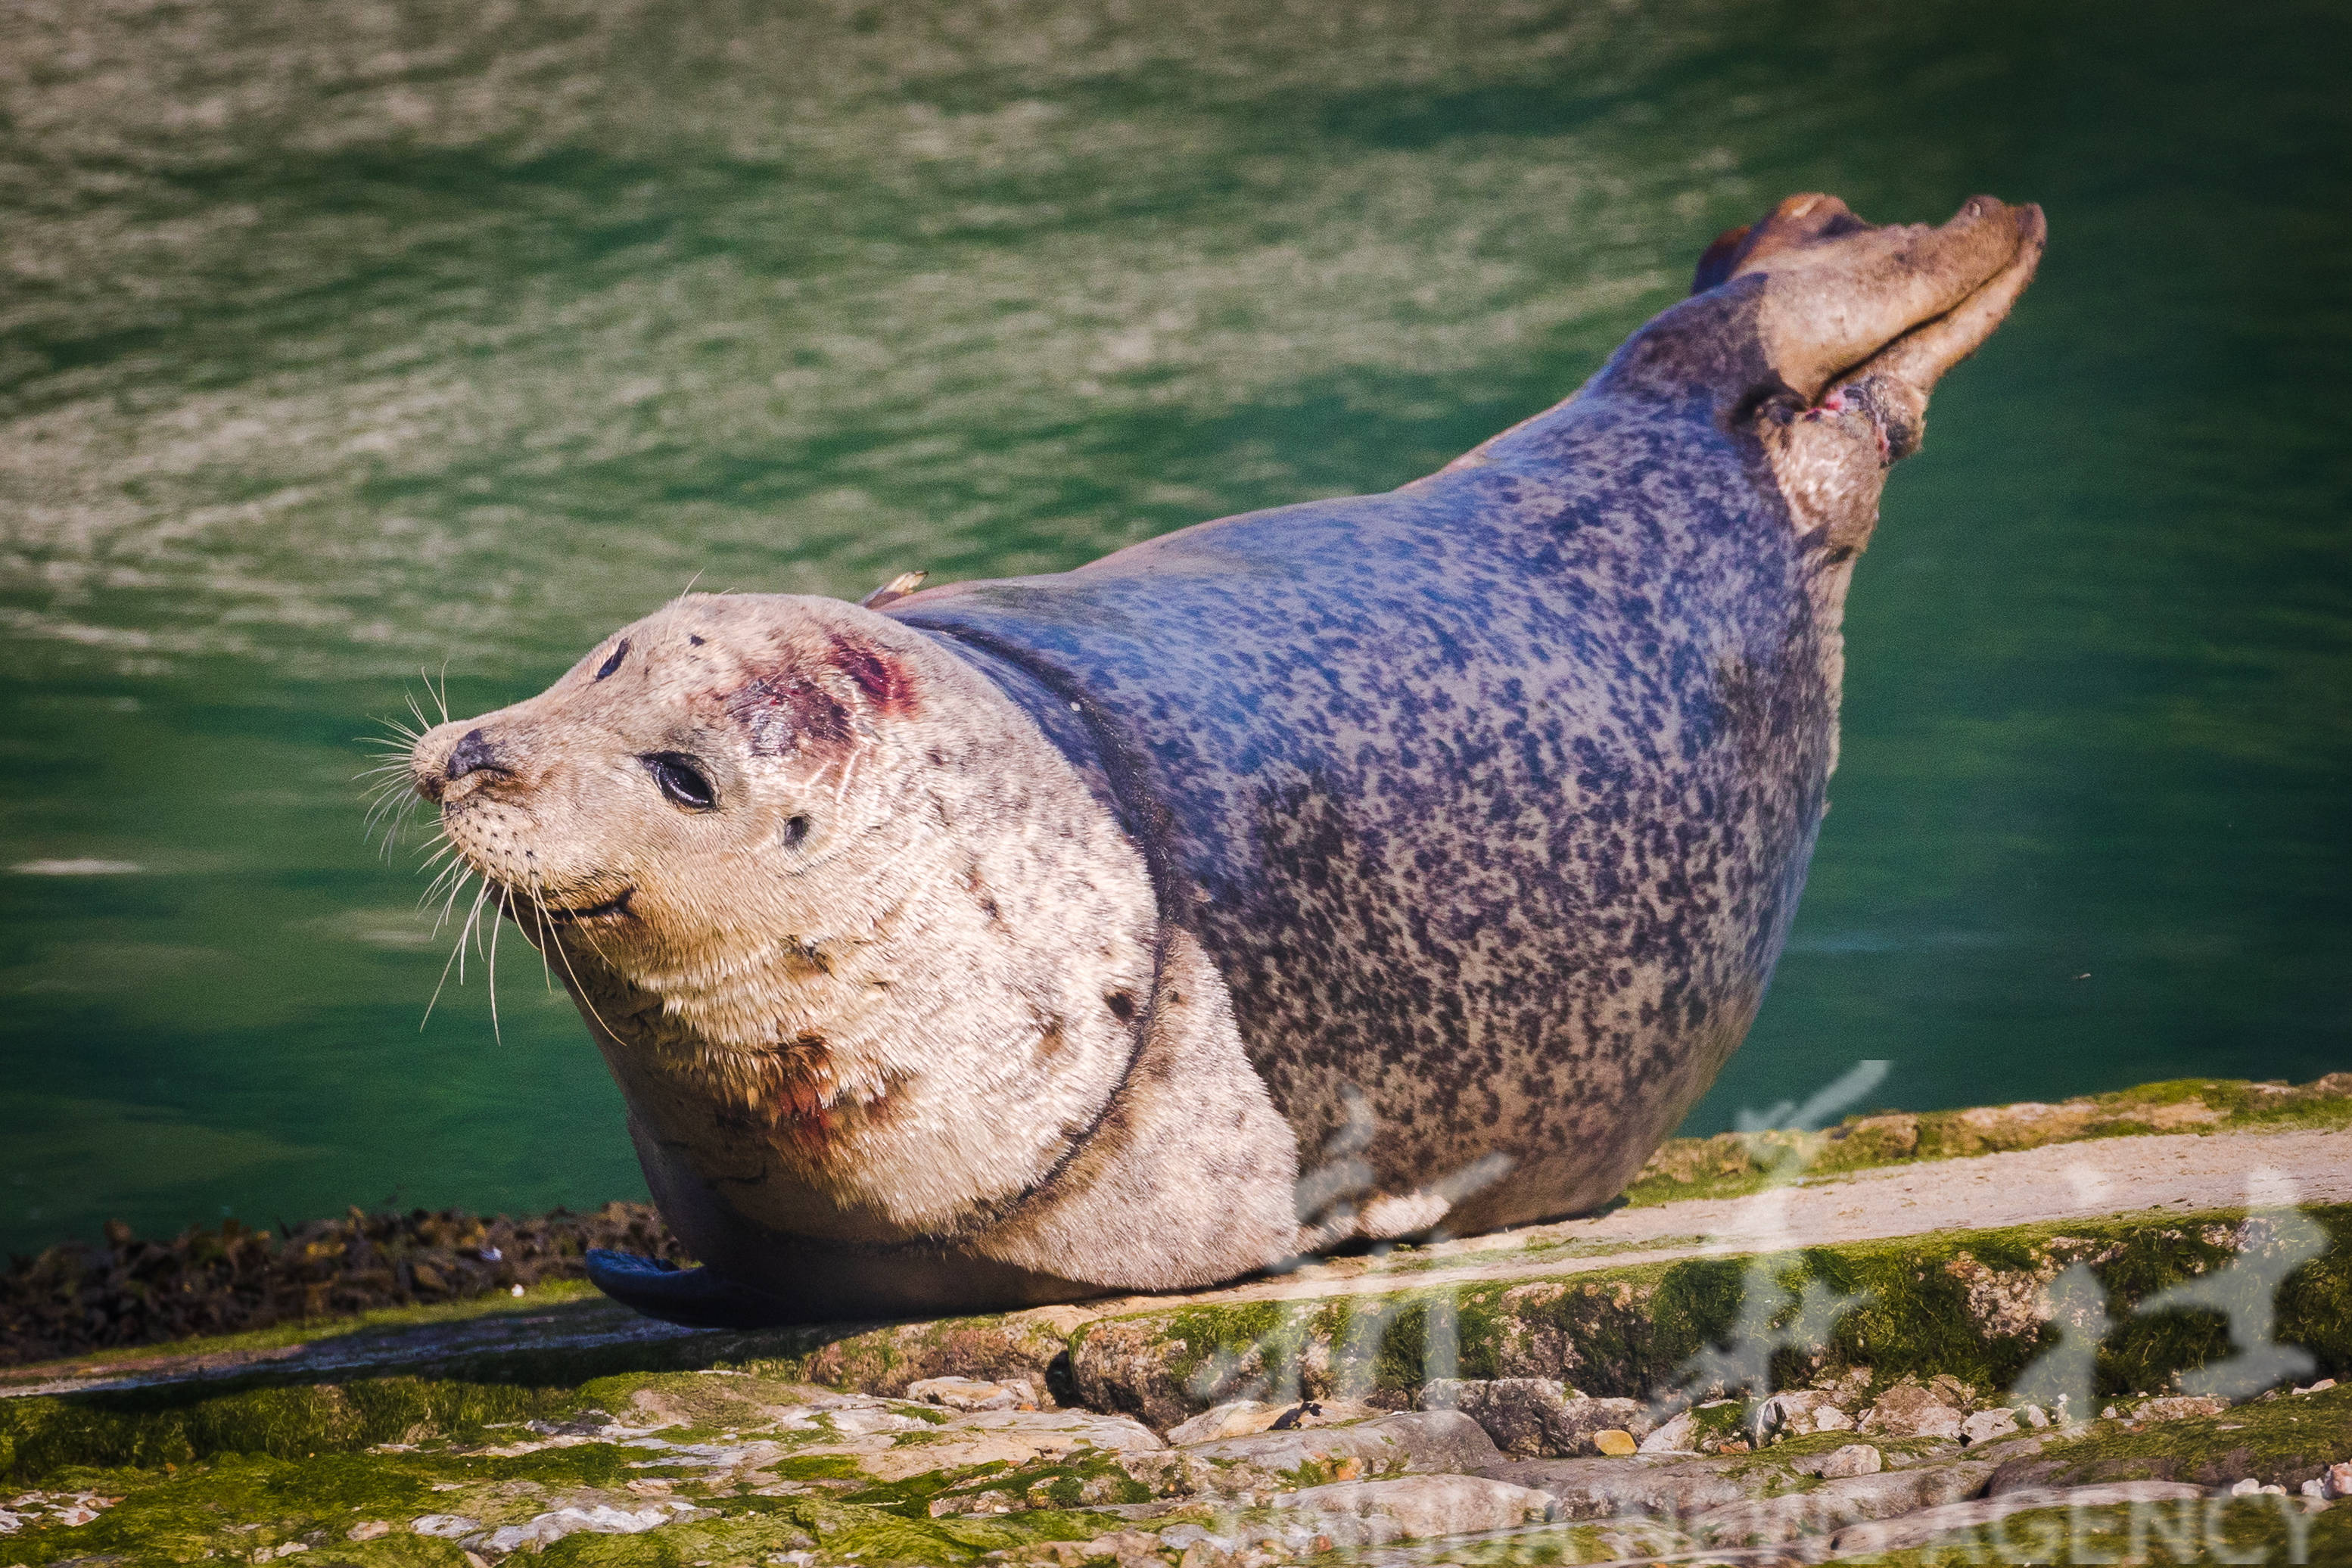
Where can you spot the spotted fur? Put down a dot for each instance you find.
(1344, 869)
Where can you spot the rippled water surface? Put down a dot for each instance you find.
(347, 340)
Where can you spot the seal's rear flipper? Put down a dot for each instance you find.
(695, 1297)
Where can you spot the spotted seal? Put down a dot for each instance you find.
(1344, 871)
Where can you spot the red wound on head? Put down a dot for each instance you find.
(786, 711)
(880, 676)
(786, 714)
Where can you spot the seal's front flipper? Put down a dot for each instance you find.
(695, 1297)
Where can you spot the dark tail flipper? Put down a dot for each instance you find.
(695, 1297)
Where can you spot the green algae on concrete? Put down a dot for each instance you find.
(1961, 1303)
(1085, 1479)
(178, 1426)
(1958, 1303)
(1732, 1164)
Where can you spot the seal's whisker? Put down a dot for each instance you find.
(391, 814)
(579, 991)
(447, 848)
(598, 948)
(497, 924)
(538, 914)
(454, 953)
(471, 929)
(457, 891)
(385, 796)
(441, 696)
(393, 743)
(447, 871)
(473, 925)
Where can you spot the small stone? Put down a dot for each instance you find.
(1675, 1437)
(1798, 1412)
(1615, 1442)
(1853, 1459)
(2314, 1488)
(369, 1529)
(2246, 1487)
(1987, 1424)
(2034, 1415)
(1907, 1410)
(1234, 1418)
(2322, 1386)
(2339, 1479)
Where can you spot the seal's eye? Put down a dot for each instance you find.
(614, 663)
(680, 780)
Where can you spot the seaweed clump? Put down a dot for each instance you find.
(74, 1298)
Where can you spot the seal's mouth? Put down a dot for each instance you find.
(558, 914)
(1844, 298)
(1925, 349)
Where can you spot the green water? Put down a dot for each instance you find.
(340, 339)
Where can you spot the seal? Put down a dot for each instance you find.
(1340, 872)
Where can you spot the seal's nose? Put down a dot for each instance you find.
(474, 753)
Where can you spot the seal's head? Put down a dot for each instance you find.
(1823, 335)
(864, 954)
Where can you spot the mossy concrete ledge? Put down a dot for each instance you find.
(556, 1424)
(1973, 1305)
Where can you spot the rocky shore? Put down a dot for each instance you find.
(1806, 1368)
